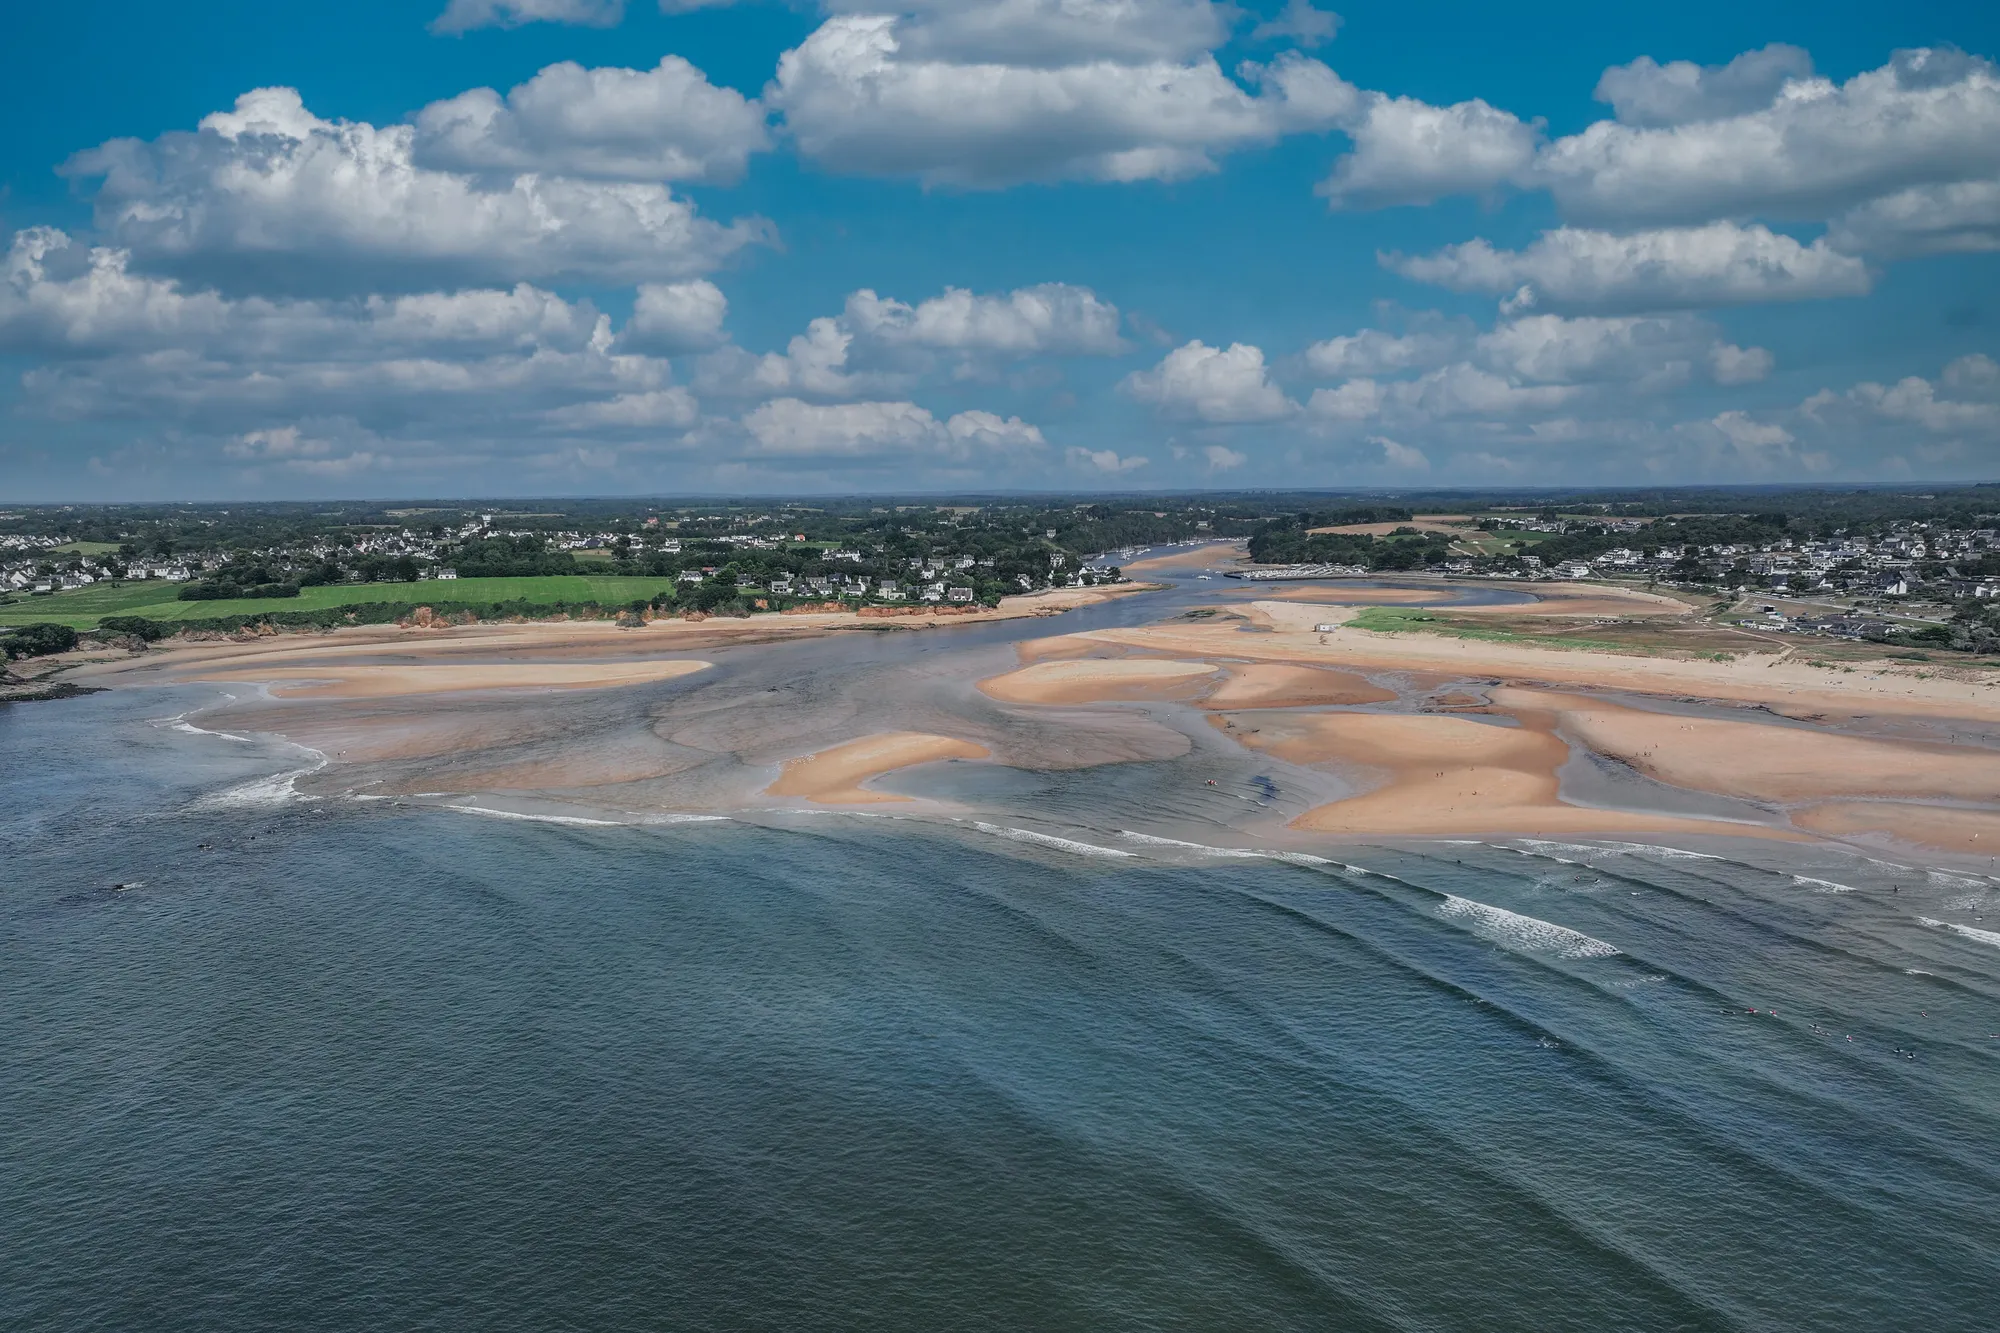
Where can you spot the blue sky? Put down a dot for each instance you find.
(576, 246)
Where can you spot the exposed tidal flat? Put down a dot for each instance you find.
(1064, 1038)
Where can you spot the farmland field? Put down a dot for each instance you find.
(84, 607)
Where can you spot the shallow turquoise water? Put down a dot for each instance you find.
(354, 1067)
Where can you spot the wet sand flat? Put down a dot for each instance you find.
(1765, 761)
(1782, 683)
(1448, 776)
(1094, 680)
(1967, 832)
(1276, 685)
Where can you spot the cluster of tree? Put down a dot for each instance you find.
(991, 526)
(1290, 541)
(36, 640)
(1700, 531)
(1975, 628)
(510, 557)
(238, 580)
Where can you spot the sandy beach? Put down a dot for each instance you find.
(1409, 734)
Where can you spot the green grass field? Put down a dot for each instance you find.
(84, 607)
(1407, 620)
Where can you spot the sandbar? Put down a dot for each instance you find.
(1765, 761)
(834, 776)
(1450, 775)
(1094, 680)
(381, 681)
(1276, 685)
(1200, 556)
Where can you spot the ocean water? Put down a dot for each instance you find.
(335, 1065)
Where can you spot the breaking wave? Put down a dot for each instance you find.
(1048, 840)
(1527, 933)
(1149, 840)
(532, 819)
(1991, 937)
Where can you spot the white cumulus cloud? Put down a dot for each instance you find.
(854, 99)
(1376, 352)
(1300, 22)
(1103, 460)
(1634, 350)
(662, 124)
(1214, 384)
(1959, 218)
(791, 428)
(1401, 455)
(672, 408)
(1410, 152)
(1680, 92)
(404, 372)
(1051, 317)
(1050, 33)
(670, 317)
(1570, 268)
(1926, 117)
(271, 192)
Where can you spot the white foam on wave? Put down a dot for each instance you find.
(1665, 853)
(1871, 860)
(491, 813)
(1544, 847)
(277, 789)
(1991, 937)
(1239, 853)
(182, 725)
(1049, 840)
(1242, 853)
(1944, 879)
(829, 814)
(1527, 933)
(1308, 859)
(1821, 885)
(1540, 847)
(178, 722)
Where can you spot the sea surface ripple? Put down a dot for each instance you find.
(324, 1065)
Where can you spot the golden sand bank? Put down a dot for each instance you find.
(1428, 734)
(387, 680)
(1800, 748)
(834, 776)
